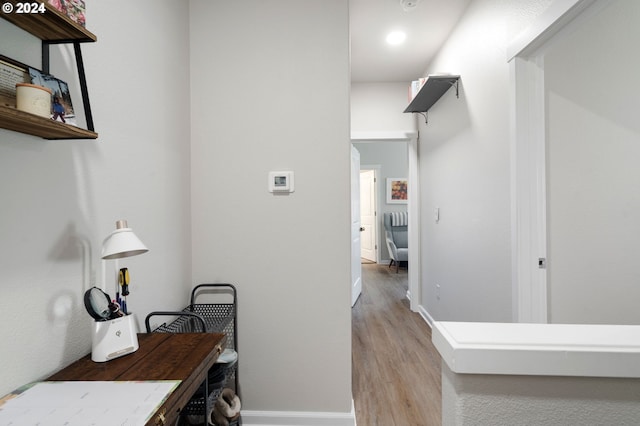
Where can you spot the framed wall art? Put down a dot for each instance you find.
(62, 107)
(397, 191)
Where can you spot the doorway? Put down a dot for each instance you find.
(410, 139)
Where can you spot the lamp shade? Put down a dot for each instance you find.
(122, 243)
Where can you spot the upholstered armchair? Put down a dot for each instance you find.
(395, 226)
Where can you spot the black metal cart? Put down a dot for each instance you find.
(217, 315)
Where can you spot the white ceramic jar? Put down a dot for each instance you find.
(34, 99)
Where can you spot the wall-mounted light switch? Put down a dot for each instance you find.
(436, 214)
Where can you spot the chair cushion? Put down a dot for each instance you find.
(399, 218)
(403, 254)
(400, 236)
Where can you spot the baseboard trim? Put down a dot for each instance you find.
(295, 418)
(298, 418)
(423, 313)
(425, 316)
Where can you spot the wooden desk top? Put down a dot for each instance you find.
(161, 356)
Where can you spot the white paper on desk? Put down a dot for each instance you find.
(84, 403)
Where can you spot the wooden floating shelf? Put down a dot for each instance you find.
(52, 26)
(31, 124)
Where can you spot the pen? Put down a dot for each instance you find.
(123, 279)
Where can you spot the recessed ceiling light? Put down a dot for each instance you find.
(396, 37)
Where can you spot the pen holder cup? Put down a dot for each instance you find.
(114, 338)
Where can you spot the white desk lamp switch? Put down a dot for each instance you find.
(281, 182)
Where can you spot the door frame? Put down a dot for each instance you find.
(413, 204)
(528, 159)
(376, 174)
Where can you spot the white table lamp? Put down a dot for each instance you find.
(117, 337)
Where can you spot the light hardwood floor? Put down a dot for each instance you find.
(396, 369)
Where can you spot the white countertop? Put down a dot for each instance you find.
(539, 349)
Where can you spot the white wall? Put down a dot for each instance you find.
(270, 91)
(465, 169)
(61, 198)
(377, 107)
(593, 176)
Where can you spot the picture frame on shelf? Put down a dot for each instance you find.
(397, 191)
(11, 73)
(61, 103)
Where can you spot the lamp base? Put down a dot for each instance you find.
(114, 338)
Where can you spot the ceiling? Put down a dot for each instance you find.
(427, 26)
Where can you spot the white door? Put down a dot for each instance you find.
(575, 185)
(368, 239)
(593, 179)
(356, 267)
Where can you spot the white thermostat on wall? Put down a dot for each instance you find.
(281, 182)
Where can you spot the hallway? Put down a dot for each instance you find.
(396, 369)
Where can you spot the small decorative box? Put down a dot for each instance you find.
(74, 9)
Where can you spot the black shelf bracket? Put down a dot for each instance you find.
(455, 84)
(81, 74)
